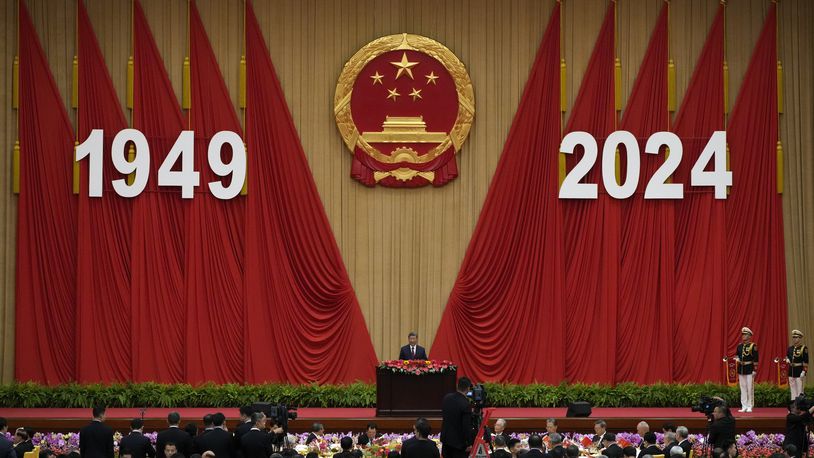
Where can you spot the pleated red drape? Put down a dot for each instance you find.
(46, 222)
(158, 290)
(103, 254)
(647, 273)
(756, 274)
(591, 230)
(214, 233)
(700, 249)
(303, 321)
(512, 271)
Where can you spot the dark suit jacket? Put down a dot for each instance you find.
(241, 429)
(23, 447)
(686, 446)
(420, 352)
(651, 450)
(796, 431)
(6, 448)
(95, 441)
(218, 440)
(343, 455)
(364, 440)
(721, 431)
(501, 454)
(137, 445)
(418, 448)
(534, 453)
(311, 438)
(614, 451)
(255, 444)
(598, 439)
(667, 448)
(181, 439)
(456, 426)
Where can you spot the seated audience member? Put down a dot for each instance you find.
(22, 443)
(668, 428)
(649, 446)
(676, 452)
(514, 446)
(370, 434)
(612, 449)
(500, 448)
(500, 429)
(181, 440)
(601, 430)
(550, 426)
(420, 446)
(135, 443)
(642, 428)
(683, 438)
(347, 444)
(630, 451)
(572, 451)
(555, 444)
(317, 432)
(670, 442)
(535, 447)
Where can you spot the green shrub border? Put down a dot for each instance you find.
(364, 395)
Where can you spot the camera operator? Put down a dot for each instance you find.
(796, 422)
(722, 428)
(457, 434)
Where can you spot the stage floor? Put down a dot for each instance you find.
(766, 420)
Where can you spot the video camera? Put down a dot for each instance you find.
(707, 405)
(802, 402)
(477, 396)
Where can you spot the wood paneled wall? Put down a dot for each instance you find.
(403, 248)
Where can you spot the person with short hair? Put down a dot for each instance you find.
(630, 451)
(535, 447)
(601, 430)
(796, 433)
(22, 442)
(420, 446)
(256, 443)
(317, 432)
(371, 434)
(572, 451)
(6, 447)
(515, 447)
(95, 439)
(347, 445)
(642, 428)
(551, 425)
(676, 452)
(683, 438)
(611, 448)
(747, 359)
(218, 440)
(500, 450)
(135, 443)
(500, 430)
(457, 433)
(244, 426)
(670, 442)
(170, 449)
(722, 428)
(412, 350)
(181, 440)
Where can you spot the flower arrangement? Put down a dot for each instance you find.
(417, 367)
(750, 444)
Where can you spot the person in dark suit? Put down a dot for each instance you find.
(535, 447)
(457, 432)
(420, 446)
(347, 445)
(722, 428)
(22, 442)
(601, 430)
(218, 440)
(682, 437)
(500, 429)
(500, 448)
(317, 431)
(256, 443)
(370, 434)
(796, 422)
(242, 428)
(555, 442)
(630, 451)
(135, 444)
(96, 439)
(649, 446)
(612, 449)
(6, 448)
(174, 434)
(670, 442)
(413, 350)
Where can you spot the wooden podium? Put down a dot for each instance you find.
(409, 395)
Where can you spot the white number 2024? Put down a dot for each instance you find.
(658, 187)
(139, 166)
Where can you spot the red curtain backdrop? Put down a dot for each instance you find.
(303, 321)
(700, 249)
(214, 233)
(46, 222)
(756, 274)
(158, 292)
(103, 251)
(512, 271)
(647, 252)
(591, 230)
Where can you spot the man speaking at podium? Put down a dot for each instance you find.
(412, 350)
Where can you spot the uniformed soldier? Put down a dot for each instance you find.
(797, 357)
(747, 359)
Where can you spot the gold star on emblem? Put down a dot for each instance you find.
(377, 79)
(391, 93)
(416, 94)
(404, 66)
(431, 78)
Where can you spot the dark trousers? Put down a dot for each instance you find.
(450, 452)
